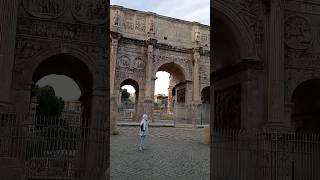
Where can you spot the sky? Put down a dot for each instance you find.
(64, 86)
(190, 10)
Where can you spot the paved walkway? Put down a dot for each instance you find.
(171, 153)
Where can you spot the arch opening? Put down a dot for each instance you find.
(169, 91)
(128, 99)
(305, 114)
(78, 72)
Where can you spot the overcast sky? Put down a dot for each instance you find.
(190, 10)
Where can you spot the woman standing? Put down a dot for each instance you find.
(144, 130)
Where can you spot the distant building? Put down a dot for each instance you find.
(161, 100)
(72, 113)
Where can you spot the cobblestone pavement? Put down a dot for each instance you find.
(171, 153)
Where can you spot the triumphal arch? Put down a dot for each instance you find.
(143, 43)
(265, 63)
(39, 38)
(265, 88)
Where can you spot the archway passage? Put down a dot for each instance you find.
(171, 105)
(74, 68)
(55, 138)
(57, 95)
(128, 106)
(306, 106)
(65, 64)
(226, 78)
(205, 106)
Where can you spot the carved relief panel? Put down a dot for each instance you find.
(45, 8)
(181, 95)
(227, 103)
(91, 12)
(140, 24)
(298, 34)
(131, 62)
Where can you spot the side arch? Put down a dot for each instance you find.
(239, 28)
(31, 66)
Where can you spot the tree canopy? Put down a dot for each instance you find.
(48, 103)
(125, 95)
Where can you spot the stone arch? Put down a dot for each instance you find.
(132, 83)
(296, 80)
(305, 101)
(30, 66)
(224, 12)
(173, 68)
(135, 85)
(184, 68)
(205, 95)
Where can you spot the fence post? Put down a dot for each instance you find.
(292, 170)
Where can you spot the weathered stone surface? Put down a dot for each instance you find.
(150, 43)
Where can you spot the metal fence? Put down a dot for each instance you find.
(240, 154)
(51, 148)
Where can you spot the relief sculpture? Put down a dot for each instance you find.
(298, 33)
(131, 64)
(227, 104)
(91, 12)
(44, 8)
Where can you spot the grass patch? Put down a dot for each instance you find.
(115, 132)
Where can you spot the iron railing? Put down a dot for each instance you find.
(51, 148)
(265, 155)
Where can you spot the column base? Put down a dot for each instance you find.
(277, 127)
(148, 108)
(11, 169)
(6, 107)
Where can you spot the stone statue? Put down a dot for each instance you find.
(197, 37)
(116, 19)
(151, 29)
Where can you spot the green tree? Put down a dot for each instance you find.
(48, 103)
(125, 95)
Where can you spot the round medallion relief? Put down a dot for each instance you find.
(139, 63)
(298, 34)
(124, 61)
(44, 8)
(90, 11)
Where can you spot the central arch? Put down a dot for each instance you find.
(179, 90)
(234, 56)
(223, 12)
(78, 66)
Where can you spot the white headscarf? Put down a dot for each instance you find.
(144, 117)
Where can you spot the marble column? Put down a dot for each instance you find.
(95, 142)
(8, 26)
(115, 37)
(148, 100)
(170, 99)
(196, 76)
(276, 64)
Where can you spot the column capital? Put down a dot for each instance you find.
(197, 49)
(115, 35)
(151, 42)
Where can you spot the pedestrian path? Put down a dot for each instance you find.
(171, 153)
